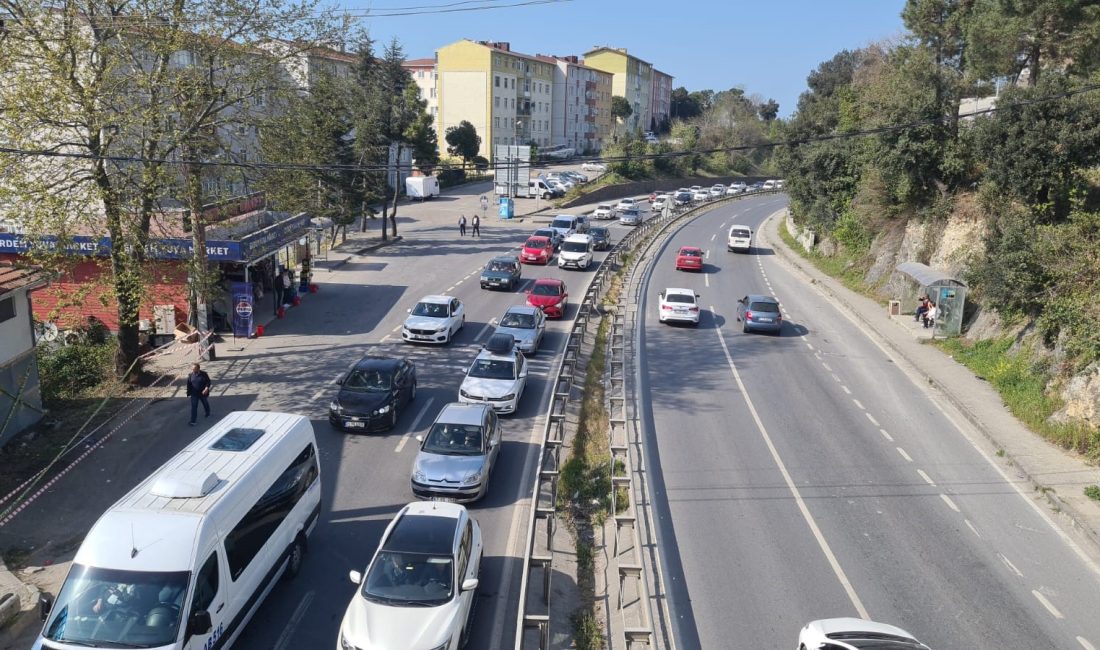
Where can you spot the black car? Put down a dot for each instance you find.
(501, 273)
(372, 395)
(554, 236)
(601, 238)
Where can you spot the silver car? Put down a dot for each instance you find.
(630, 217)
(526, 324)
(458, 453)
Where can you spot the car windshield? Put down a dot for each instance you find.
(493, 369)
(454, 440)
(545, 233)
(546, 290)
(500, 267)
(409, 579)
(110, 608)
(680, 297)
(603, 207)
(740, 233)
(518, 321)
(598, 232)
(574, 247)
(691, 252)
(430, 309)
(764, 306)
(536, 242)
(368, 381)
(564, 224)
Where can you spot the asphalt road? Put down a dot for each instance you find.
(366, 477)
(807, 476)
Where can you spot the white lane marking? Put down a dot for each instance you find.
(1010, 565)
(836, 378)
(926, 477)
(809, 346)
(859, 404)
(295, 620)
(886, 435)
(872, 419)
(949, 502)
(483, 330)
(846, 389)
(904, 455)
(396, 328)
(826, 366)
(722, 227)
(708, 254)
(1085, 643)
(712, 237)
(416, 423)
(972, 528)
(706, 279)
(385, 338)
(1046, 603)
(450, 289)
(802, 507)
(317, 395)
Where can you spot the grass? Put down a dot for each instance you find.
(842, 266)
(1022, 384)
(586, 475)
(1093, 492)
(587, 631)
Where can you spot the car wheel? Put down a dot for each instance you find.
(294, 557)
(744, 328)
(393, 416)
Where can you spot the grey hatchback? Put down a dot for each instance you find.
(761, 313)
(458, 453)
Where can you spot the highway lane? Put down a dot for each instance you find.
(835, 484)
(366, 477)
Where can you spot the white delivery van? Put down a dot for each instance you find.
(185, 559)
(538, 187)
(740, 239)
(576, 252)
(421, 187)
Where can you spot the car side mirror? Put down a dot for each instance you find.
(199, 623)
(696, 295)
(469, 584)
(355, 577)
(45, 604)
(420, 438)
(409, 311)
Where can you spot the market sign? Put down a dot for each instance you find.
(157, 249)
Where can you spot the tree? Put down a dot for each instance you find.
(768, 110)
(463, 141)
(620, 108)
(684, 106)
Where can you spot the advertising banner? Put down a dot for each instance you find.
(241, 293)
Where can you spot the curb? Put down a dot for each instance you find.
(14, 620)
(1075, 517)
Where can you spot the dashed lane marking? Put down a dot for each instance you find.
(926, 477)
(416, 423)
(317, 395)
(295, 620)
(950, 503)
(810, 345)
(972, 528)
(706, 279)
(712, 237)
(450, 289)
(904, 455)
(859, 404)
(872, 419)
(836, 378)
(826, 366)
(886, 435)
(1010, 565)
(708, 254)
(846, 389)
(483, 330)
(385, 338)
(1085, 643)
(1046, 603)
(396, 328)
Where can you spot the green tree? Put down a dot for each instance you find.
(769, 110)
(683, 105)
(620, 108)
(463, 141)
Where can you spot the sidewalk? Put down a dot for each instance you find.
(1055, 474)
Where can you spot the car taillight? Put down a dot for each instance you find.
(694, 309)
(666, 308)
(748, 315)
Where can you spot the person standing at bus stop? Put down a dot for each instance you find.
(198, 389)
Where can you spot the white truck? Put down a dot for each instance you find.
(421, 187)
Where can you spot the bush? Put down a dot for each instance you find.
(72, 371)
(481, 164)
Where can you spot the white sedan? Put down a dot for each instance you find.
(701, 194)
(421, 584)
(592, 166)
(853, 634)
(627, 204)
(678, 305)
(435, 319)
(604, 211)
(497, 377)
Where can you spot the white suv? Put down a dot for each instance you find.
(576, 252)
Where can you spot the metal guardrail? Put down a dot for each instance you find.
(533, 613)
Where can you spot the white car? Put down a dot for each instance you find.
(435, 319)
(593, 166)
(740, 239)
(740, 187)
(853, 634)
(678, 305)
(558, 186)
(732, 190)
(497, 376)
(700, 194)
(627, 204)
(718, 191)
(421, 584)
(658, 202)
(604, 211)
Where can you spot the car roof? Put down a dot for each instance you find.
(757, 297)
(539, 237)
(595, 229)
(547, 229)
(672, 290)
(505, 258)
(580, 236)
(437, 299)
(377, 363)
(424, 531)
(554, 281)
(459, 413)
(522, 309)
(690, 248)
(737, 225)
(496, 356)
(603, 205)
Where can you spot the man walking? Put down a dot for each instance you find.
(477, 226)
(198, 388)
(462, 226)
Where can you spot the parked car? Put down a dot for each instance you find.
(678, 305)
(689, 258)
(457, 454)
(770, 184)
(593, 166)
(604, 211)
(626, 204)
(539, 187)
(557, 186)
(502, 272)
(601, 238)
(537, 250)
(739, 186)
(759, 313)
(740, 239)
(497, 376)
(732, 191)
(526, 325)
(550, 295)
(576, 252)
(372, 395)
(630, 217)
(682, 198)
(717, 191)
(420, 585)
(575, 176)
(854, 634)
(435, 319)
(553, 235)
(700, 194)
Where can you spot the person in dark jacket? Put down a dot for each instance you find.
(198, 388)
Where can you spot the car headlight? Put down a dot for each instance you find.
(509, 397)
(419, 476)
(440, 328)
(484, 278)
(335, 407)
(382, 409)
(472, 478)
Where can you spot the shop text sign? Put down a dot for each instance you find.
(163, 249)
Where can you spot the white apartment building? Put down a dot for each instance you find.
(580, 95)
(423, 74)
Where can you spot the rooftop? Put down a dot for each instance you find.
(14, 277)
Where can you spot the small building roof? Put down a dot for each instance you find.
(418, 63)
(927, 276)
(14, 277)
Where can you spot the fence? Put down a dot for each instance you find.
(533, 615)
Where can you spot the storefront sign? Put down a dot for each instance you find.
(242, 309)
(263, 242)
(157, 249)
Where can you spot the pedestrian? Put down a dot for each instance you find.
(930, 315)
(462, 226)
(922, 307)
(477, 226)
(484, 204)
(198, 389)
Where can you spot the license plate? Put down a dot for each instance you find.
(355, 425)
(764, 320)
(681, 311)
(444, 499)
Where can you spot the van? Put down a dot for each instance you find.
(771, 184)
(538, 187)
(740, 239)
(421, 187)
(565, 225)
(186, 558)
(576, 252)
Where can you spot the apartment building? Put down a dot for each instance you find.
(581, 96)
(632, 79)
(660, 100)
(506, 95)
(423, 74)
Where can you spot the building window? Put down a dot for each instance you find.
(7, 309)
(496, 81)
(432, 93)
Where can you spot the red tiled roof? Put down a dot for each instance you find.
(418, 63)
(15, 277)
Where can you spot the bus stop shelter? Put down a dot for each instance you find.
(947, 292)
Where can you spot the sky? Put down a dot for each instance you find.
(765, 47)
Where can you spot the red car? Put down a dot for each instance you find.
(689, 258)
(550, 296)
(537, 250)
